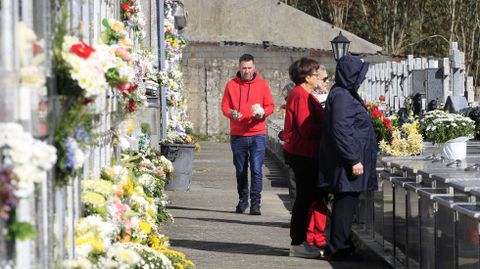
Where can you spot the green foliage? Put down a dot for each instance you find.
(76, 115)
(474, 114)
(20, 230)
(109, 36)
(146, 129)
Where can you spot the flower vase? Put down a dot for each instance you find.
(455, 149)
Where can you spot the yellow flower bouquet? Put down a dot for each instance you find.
(406, 141)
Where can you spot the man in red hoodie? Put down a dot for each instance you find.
(247, 102)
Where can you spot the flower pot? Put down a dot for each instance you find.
(181, 156)
(455, 149)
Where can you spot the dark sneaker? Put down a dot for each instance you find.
(255, 211)
(241, 207)
(304, 250)
(239, 210)
(344, 256)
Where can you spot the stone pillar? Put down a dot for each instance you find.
(382, 89)
(470, 91)
(395, 85)
(445, 65)
(457, 59)
(407, 91)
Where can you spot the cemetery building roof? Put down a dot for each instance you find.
(265, 22)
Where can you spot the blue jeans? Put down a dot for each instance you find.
(248, 149)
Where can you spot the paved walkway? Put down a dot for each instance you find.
(208, 231)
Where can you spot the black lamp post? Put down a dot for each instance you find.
(340, 46)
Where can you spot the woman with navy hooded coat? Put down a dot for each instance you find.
(348, 153)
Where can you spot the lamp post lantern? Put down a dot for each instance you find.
(340, 46)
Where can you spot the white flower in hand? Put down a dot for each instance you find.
(258, 111)
(236, 115)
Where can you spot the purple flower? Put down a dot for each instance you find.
(71, 145)
(179, 130)
(8, 200)
(82, 135)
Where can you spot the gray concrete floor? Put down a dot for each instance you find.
(208, 231)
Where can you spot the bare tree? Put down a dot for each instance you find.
(338, 10)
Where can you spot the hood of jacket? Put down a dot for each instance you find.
(350, 72)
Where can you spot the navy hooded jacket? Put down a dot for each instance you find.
(348, 137)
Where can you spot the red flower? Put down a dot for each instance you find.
(132, 106)
(88, 101)
(388, 123)
(36, 48)
(381, 98)
(123, 87)
(125, 7)
(82, 50)
(376, 114)
(132, 88)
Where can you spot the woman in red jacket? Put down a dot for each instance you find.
(303, 117)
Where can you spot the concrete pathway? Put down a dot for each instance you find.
(208, 231)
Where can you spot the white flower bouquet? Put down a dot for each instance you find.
(257, 111)
(440, 126)
(27, 157)
(84, 66)
(236, 114)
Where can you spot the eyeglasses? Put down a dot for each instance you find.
(325, 79)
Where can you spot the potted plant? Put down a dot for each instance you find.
(450, 131)
(179, 148)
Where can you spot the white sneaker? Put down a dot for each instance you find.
(304, 250)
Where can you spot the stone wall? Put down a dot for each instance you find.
(207, 67)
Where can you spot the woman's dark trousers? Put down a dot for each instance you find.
(343, 210)
(305, 170)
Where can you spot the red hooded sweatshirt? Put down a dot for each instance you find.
(241, 95)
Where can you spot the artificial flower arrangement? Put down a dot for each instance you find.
(152, 170)
(131, 13)
(440, 126)
(406, 141)
(145, 65)
(174, 42)
(174, 45)
(406, 137)
(83, 67)
(80, 80)
(122, 76)
(171, 79)
(144, 138)
(115, 33)
(382, 125)
(127, 199)
(180, 132)
(25, 162)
